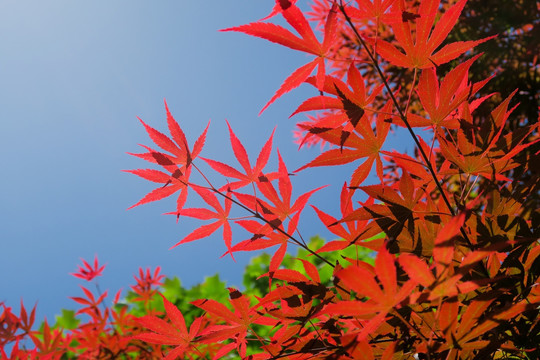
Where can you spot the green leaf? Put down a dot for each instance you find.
(67, 320)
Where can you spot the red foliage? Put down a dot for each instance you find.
(458, 258)
(88, 272)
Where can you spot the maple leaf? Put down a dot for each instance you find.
(445, 282)
(280, 207)
(26, 322)
(376, 9)
(417, 269)
(91, 303)
(22, 354)
(177, 181)
(278, 8)
(354, 147)
(365, 281)
(307, 42)
(443, 253)
(421, 176)
(48, 344)
(272, 232)
(474, 153)
(448, 283)
(355, 231)
(274, 214)
(177, 146)
(267, 235)
(440, 102)
(403, 218)
(252, 175)
(10, 325)
(237, 323)
(460, 329)
(145, 284)
(221, 214)
(89, 273)
(421, 53)
(352, 101)
(281, 238)
(177, 163)
(174, 333)
(295, 300)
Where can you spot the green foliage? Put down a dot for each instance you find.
(67, 320)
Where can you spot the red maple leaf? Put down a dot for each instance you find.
(147, 283)
(279, 206)
(421, 53)
(366, 282)
(274, 213)
(177, 181)
(354, 147)
(27, 321)
(221, 215)
(371, 9)
(177, 163)
(237, 323)
(401, 215)
(355, 231)
(91, 303)
(352, 101)
(89, 273)
(441, 101)
(252, 175)
(473, 153)
(48, 344)
(278, 8)
(307, 42)
(174, 333)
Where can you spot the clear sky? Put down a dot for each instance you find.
(73, 77)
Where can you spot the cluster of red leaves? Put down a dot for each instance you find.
(107, 332)
(445, 276)
(104, 331)
(456, 274)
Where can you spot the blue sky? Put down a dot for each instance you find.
(73, 77)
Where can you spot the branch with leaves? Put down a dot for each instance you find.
(455, 270)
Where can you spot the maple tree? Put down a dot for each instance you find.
(456, 237)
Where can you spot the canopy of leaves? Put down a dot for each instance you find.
(455, 226)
